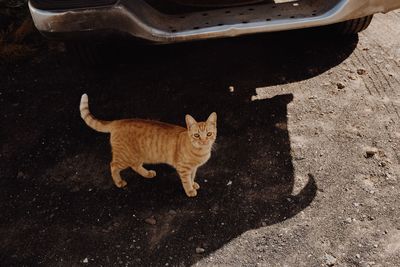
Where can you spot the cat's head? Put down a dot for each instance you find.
(202, 134)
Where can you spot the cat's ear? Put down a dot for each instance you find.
(212, 118)
(189, 121)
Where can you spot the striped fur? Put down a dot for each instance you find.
(136, 142)
(92, 122)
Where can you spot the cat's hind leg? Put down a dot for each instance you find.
(143, 172)
(116, 168)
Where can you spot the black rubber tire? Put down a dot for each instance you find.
(352, 26)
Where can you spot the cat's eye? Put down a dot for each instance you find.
(209, 133)
(196, 135)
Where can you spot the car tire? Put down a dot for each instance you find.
(352, 26)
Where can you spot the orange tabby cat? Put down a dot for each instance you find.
(135, 142)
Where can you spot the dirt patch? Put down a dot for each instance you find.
(304, 174)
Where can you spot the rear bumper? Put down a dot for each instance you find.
(138, 19)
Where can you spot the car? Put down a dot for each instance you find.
(172, 21)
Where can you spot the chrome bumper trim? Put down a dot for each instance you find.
(138, 19)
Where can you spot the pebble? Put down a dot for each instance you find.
(361, 71)
(340, 85)
(151, 220)
(231, 89)
(370, 152)
(200, 250)
(229, 183)
(85, 260)
(172, 212)
(358, 256)
(330, 260)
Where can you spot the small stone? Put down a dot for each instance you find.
(229, 183)
(375, 246)
(151, 220)
(330, 260)
(356, 204)
(200, 250)
(85, 260)
(231, 89)
(172, 212)
(361, 71)
(370, 152)
(340, 85)
(348, 220)
(358, 256)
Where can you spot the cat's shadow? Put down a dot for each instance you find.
(248, 182)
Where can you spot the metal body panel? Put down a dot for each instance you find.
(140, 20)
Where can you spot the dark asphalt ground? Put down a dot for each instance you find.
(58, 204)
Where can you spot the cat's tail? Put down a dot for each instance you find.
(91, 121)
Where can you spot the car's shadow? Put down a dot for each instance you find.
(59, 204)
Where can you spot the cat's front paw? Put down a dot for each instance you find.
(151, 174)
(121, 184)
(191, 193)
(196, 185)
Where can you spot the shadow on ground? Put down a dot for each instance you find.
(58, 203)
